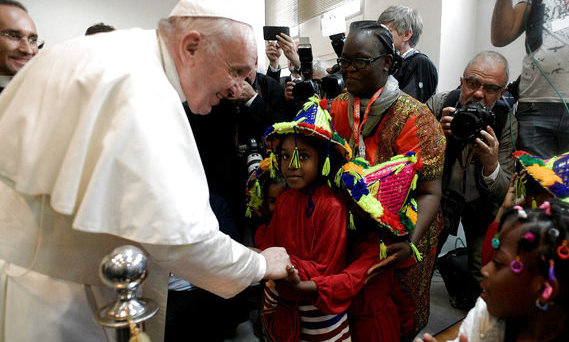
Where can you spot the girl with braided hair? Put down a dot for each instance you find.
(525, 290)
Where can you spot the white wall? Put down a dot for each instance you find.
(458, 34)
(465, 32)
(454, 30)
(59, 20)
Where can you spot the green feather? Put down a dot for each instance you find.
(352, 225)
(338, 177)
(326, 167)
(295, 160)
(416, 251)
(382, 250)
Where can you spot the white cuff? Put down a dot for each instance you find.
(491, 177)
(262, 270)
(274, 69)
(250, 101)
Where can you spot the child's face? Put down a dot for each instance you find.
(273, 192)
(306, 174)
(508, 294)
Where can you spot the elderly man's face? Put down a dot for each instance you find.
(220, 74)
(15, 53)
(484, 81)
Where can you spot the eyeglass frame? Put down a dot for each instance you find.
(366, 61)
(491, 89)
(16, 36)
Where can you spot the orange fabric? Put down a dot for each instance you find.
(407, 126)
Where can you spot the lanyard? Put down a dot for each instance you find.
(357, 128)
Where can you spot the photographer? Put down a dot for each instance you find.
(478, 166)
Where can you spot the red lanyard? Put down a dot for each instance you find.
(357, 128)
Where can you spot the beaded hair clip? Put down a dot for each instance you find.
(496, 239)
(546, 206)
(563, 251)
(516, 265)
(521, 212)
(551, 274)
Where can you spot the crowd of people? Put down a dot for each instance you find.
(318, 219)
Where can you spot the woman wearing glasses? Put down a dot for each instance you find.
(380, 121)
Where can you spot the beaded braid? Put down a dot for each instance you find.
(548, 234)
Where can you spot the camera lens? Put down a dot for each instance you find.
(468, 121)
(253, 161)
(465, 127)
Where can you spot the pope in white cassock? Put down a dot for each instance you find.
(96, 152)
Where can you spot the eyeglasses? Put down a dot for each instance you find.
(474, 84)
(17, 37)
(357, 63)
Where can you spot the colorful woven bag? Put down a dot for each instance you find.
(386, 192)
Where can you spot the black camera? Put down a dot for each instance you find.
(337, 41)
(304, 89)
(333, 84)
(329, 86)
(468, 121)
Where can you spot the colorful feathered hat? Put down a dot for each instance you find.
(386, 192)
(314, 121)
(551, 173)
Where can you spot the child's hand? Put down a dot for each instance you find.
(426, 338)
(429, 338)
(396, 253)
(293, 283)
(509, 199)
(292, 277)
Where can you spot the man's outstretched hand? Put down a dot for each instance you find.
(277, 261)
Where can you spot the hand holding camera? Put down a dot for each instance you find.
(447, 119)
(288, 46)
(487, 150)
(288, 91)
(472, 124)
(273, 53)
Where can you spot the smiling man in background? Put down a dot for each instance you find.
(18, 39)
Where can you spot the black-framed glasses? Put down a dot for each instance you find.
(474, 84)
(357, 63)
(17, 37)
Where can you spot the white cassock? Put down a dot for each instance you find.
(96, 152)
